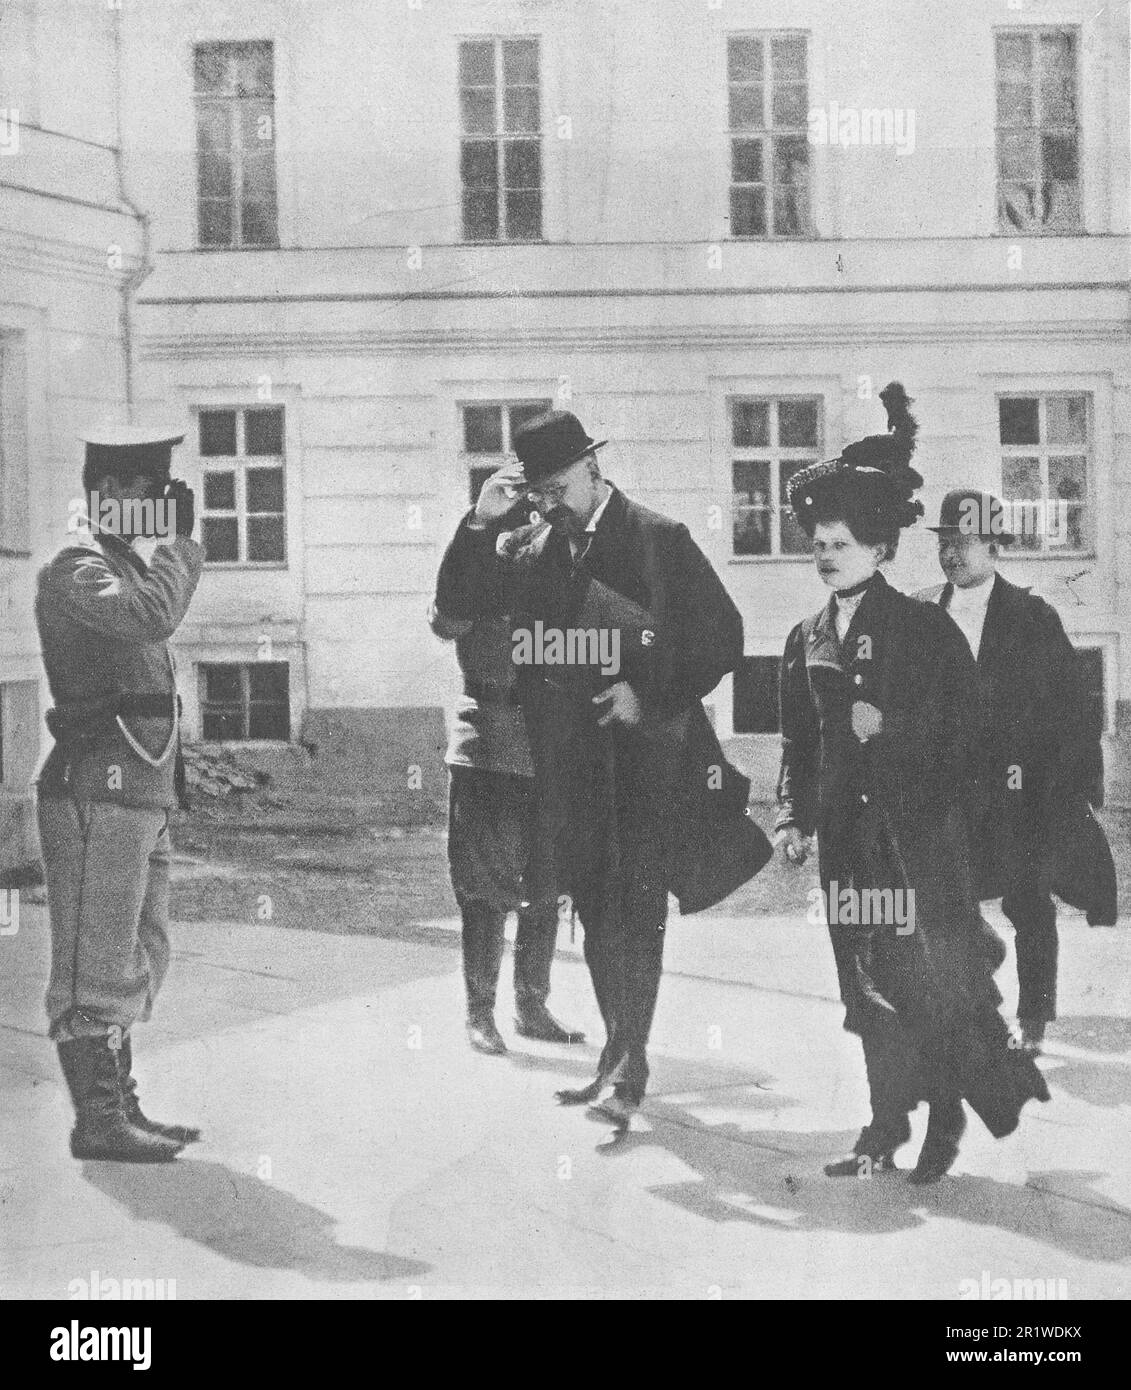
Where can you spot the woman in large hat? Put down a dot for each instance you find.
(876, 707)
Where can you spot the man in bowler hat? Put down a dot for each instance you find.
(1036, 762)
(106, 790)
(620, 755)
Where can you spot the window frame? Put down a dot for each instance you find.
(233, 103)
(238, 463)
(767, 133)
(499, 138)
(244, 668)
(775, 455)
(1042, 450)
(1033, 33)
(506, 404)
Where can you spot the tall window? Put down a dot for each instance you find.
(243, 519)
(1045, 454)
(501, 149)
(234, 85)
(488, 435)
(1037, 133)
(771, 439)
(768, 89)
(245, 700)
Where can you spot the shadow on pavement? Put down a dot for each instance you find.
(774, 1178)
(244, 1219)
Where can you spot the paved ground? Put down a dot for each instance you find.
(356, 1148)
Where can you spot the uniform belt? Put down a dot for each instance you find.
(488, 694)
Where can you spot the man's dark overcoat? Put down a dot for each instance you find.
(1035, 763)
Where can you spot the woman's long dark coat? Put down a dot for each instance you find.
(888, 815)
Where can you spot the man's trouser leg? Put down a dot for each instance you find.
(890, 1085)
(640, 931)
(534, 945)
(483, 940)
(605, 961)
(1033, 915)
(107, 894)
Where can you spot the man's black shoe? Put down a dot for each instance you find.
(485, 1037)
(536, 1021)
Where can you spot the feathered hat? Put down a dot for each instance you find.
(874, 475)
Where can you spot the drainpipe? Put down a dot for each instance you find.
(132, 281)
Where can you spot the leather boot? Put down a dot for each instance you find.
(533, 954)
(181, 1134)
(874, 1150)
(483, 941)
(102, 1130)
(945, 1128)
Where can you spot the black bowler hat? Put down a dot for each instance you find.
(551, 442)
(967, 512)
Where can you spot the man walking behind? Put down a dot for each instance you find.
(1036, 764)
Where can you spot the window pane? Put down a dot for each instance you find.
(255, 69)
(215, 222)
(269, 721)
(520, 61)
(266, 541)
(1018, 420)
(1014, 104)
(748, 211)
(746, 161)
(222, 724)
(265, 490)
(217, 432)
(791, 211)
(210, 67)
(1068, 484)
(263, 430)
(1017, 154)
(1058, 100)
(787, 57)
(520, 107)
(481, 216)
(219, 491)
(477, 63)
(522, 164)
(1068, 479)
(1017, 206)
(752, 531)
(744, 60)
(524, 216)
(1021, 481)
(213, 174)
(791, 159)
(220, 535)
(258, 221)
(750, 424)
(790, 104)
(269, 681)
(213, 129)
(479, 165)
(222, 684)
(797, 424)
(478, 109)
(1059, 152)
(746, 108)
(1067, 418)
(1014, 57)
(1057, 55)
(478, 476)
(483, 429)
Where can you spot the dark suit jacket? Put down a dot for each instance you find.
(678, 769)
(1035, 764)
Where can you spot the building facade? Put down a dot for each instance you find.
(72, 247)
(382, 233)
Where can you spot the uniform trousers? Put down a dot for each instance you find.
(107, 869)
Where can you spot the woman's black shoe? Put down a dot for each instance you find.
(945, 1128)
(873, 1152)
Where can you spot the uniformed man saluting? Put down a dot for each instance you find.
(109, 783)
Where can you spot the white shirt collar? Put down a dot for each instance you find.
(976, 596)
